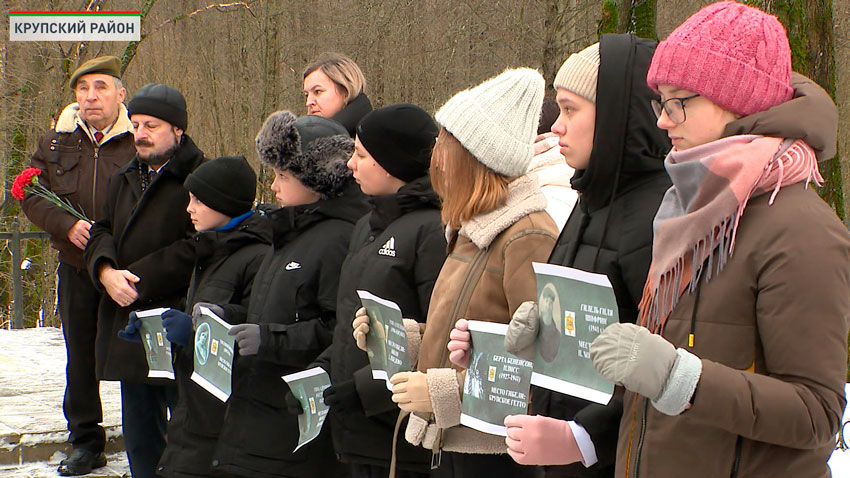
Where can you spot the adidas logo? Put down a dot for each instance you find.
(292, 266)
(388, 249)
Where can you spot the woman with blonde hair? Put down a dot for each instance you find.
(335, 88)
(496, 226)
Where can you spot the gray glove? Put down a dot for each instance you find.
(522, 331)
(247, 338)
(648, 365)
(214, 308)
(633, 357)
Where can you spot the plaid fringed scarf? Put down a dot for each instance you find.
(698, 217)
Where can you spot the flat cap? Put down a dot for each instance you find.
(108, 65)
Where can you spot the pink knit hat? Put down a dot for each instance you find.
(736, 56)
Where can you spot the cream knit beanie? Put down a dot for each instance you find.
(579, 73)
(497, 120)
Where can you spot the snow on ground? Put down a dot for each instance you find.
(32, 384)
(32, 381)
(116, 467)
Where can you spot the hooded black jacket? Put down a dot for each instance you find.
(293, 299)
(610, 229)
(396, 253)
(225, 265)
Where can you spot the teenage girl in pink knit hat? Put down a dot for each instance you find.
(738, 365)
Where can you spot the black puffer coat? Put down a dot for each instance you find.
(225, 265)
(294, 302)
(396, 253)
(610, 229)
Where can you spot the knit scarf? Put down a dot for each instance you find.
(694, 229)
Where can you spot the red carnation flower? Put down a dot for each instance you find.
(27, 182)
(22, 181)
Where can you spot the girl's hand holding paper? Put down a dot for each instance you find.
(361, 328)
(459, 344)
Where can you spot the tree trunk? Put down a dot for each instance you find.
(841, 52)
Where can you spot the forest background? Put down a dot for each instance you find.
(237, 62)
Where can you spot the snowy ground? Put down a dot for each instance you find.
(32, 426)
(116, 467)
(32, 381)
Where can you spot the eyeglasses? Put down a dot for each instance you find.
(674, 107)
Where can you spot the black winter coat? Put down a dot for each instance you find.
(396, 253)
(353, 112)
(610, 229)
(225, 265)
(294, 301)
(150, 235)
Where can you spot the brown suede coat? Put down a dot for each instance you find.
(486, 276)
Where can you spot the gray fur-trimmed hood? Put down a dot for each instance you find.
(313, 149)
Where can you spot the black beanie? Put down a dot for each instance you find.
(400, 138)
(227, 184)
(161, 101)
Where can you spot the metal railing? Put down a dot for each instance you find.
(15, 237)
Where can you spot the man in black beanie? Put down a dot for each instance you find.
(140, 253)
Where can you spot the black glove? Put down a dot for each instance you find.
(293, 406)
(343, 396)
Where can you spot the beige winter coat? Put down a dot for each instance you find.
(486, 276)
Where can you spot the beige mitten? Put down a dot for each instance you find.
(522, 331)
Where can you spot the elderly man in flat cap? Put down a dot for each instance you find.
(92, 139)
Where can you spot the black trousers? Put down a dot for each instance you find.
(467, 465)
(375, 471)
(78, 300)
(143, 417)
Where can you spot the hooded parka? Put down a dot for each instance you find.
(148, 234)
(610, 229)
(396, 253)
(770, 330)
(293, 299)
(225, 265)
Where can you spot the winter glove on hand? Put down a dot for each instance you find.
(343, 396)
(537, 440)
(410, 392)
(178, 326)
(361, 328)
(131, 331)
(522, 331)
(247, 338)
(648, 365)
(460, 344)
(293, 406)
(215, 309)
